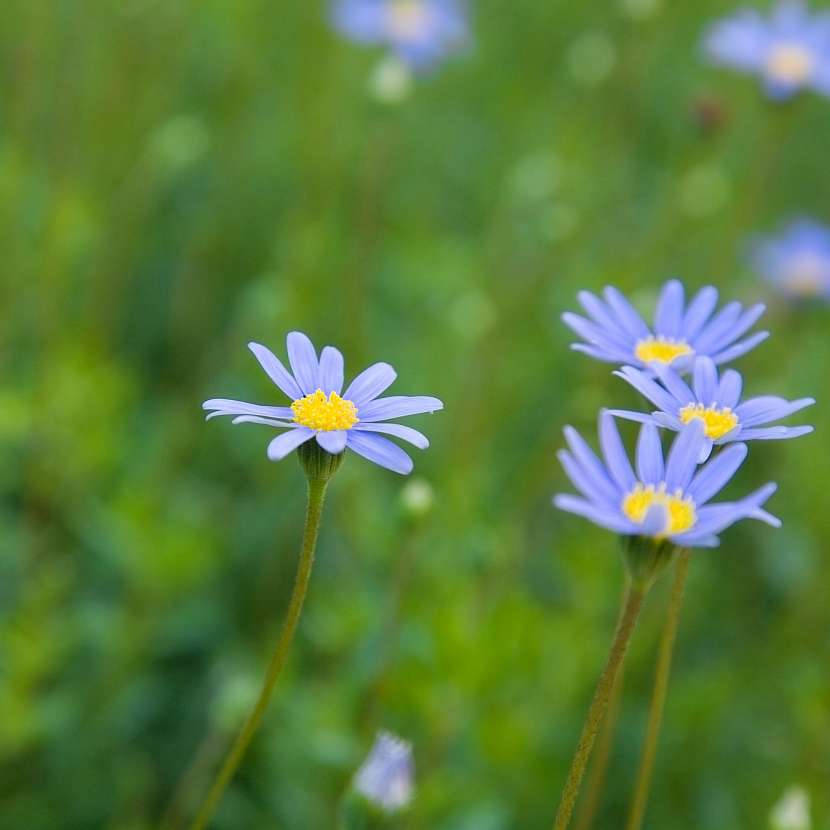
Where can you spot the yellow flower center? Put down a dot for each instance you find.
(790, 64)
(661, 349)
(716, 422)
(324, 414)
(680, 511)
(407, 18)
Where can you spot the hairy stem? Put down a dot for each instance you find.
(632, 604)
(316, 496)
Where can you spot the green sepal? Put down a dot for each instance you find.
(318, 464)
(646, 558)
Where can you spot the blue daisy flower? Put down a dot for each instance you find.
(714, 401)
(797, 261)
(418, 32)
(662, 500)
(356, 420)
(387, 776)
(789, 50)
(616, 333)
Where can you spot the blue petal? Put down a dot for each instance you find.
(656, 520)
(706, 381)
(379, 450)
(718, 327)
(649, 455)
(303, 360)
(370, 383)
(607, 519)
(605, 355)
(711, 478)
(774, 433)
(587, 330)
(405, 433)
(398, 406)
(651, 390)
(668, 316)
(583, 481)
(734, 352)
(766, 408)
(283, 444)
(333, 441)
(226, 406)
(684, 455)
(676, 386)
(628, 318)
(602, 316)
(699, 311)
(331, 370)
(590, 464)
(616, 459)
(729, 391)
(276, 371)
(638, 417)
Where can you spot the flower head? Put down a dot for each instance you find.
(797, 261)
(789, 50)
(616, 333)
(714, 401)
(662, 500)
(419, 32)
(321, 410)
(386, 776)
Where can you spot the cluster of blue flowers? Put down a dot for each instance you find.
(669, 499)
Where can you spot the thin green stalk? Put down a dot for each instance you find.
(633, 603)
(658, 698)
(316, 496)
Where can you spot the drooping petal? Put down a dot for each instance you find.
(649, 455)
(684, 455)
(331, 370)
(655, 520)
(398, 406)
(711, 478)
(405, 433)
(668, 316)
(283, 444)
(333, 441)
(706, 381)
(303, 360)
(226, 406)
(370, 383)
(276, 371)
(616, 459)
(605, 518)
(379, 450)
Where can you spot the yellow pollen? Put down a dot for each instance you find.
(324, 414)
(407, 18)
(790, 64)
(716, 422)
(661, 349)
(680, 511)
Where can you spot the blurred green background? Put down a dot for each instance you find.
(180, 177)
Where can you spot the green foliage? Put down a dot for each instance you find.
(177, 178)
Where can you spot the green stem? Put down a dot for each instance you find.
(633, 603)
(658, 698)
(316, 496)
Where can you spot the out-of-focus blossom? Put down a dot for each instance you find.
(663, 500)
(714, 401)
(791, 811)
(796, 261)
(421, 33)
(391, 80)
(789, 49)
(387, 776)
(616, 333)
(356, 421)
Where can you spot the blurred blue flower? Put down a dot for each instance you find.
(616, 333)
(318, 411)
(713, 401)
(386, 777)
(662, 500)
(419, 32)
(789, 50)
(797, 261)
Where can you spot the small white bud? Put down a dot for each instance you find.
(791, 811)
